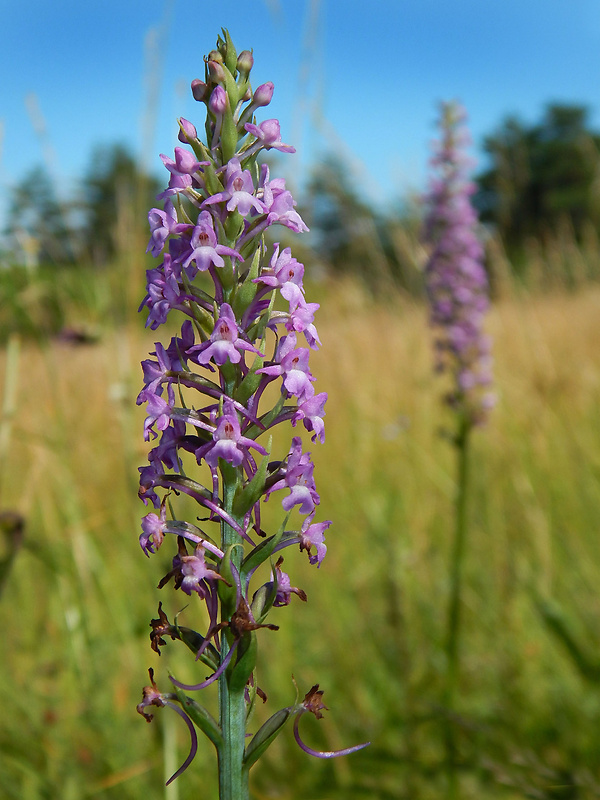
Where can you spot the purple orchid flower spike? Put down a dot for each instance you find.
(195, 573)
(210, 411)
(457, 284)
(281, 210)
(298, 478)
(159, 413)
(263, 95)
(457, 289)
(179, 183)
(300, 320)
(164, 293)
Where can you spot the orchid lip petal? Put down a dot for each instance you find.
(324, 753)
(192, 688)
(194, 741)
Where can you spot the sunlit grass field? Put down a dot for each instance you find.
(76, 605)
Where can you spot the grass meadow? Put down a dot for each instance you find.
(76, 604)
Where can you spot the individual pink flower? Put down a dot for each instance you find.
(268, 134)
(311, 412)
(239, 191)
(285, 273)
(185, 163)
(292, 365)
(312, 535)
(153, 527)
(162, 223)
(224, 343)
(228, 442)
(205, 249)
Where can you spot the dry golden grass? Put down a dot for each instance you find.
(77, 603)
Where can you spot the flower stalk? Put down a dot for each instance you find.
(246, 325)
(454, 619)
(233, 781)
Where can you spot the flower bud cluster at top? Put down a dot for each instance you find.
(204, 391)
(456, 280)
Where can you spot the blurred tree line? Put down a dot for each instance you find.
(541, 176)
(538, 180)
(538, 199)
(109, 211)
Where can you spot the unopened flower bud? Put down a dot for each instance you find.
(264, 94)
(187, 131)
(198, 89)
(215, 55)
(216, 71)
(245, 62)
(218, 101)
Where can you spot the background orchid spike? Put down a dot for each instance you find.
(206, 407)
(457, 284)
(457, 287)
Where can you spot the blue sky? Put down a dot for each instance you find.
(362, 79)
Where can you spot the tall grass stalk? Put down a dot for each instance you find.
(9, 404)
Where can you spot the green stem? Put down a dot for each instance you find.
(453, 630)
(233, 780)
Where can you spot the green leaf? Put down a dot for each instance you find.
(229, 372)
(194, 642)
(247, 290)
(245, 662)
(262, 551)
(263, 599)
(193, 380)
(251, 381)
(245, 498)
(227, 594)
(266, 419)
(257, 331)
(230, 52)
(265, 735)
(175, 480)
(561, 628)
(213, 184)
(177, 525)
(229, 131)
(234, 225)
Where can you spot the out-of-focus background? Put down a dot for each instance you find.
(90, 96)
